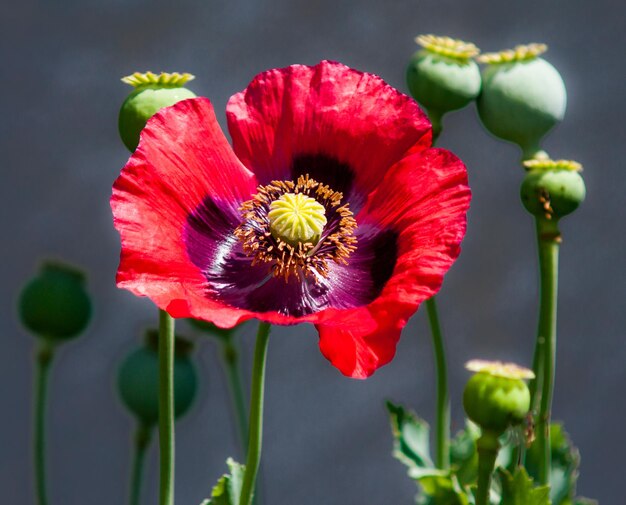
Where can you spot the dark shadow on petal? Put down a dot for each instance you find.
(325, 169)
(368, 270)
(339, 176)
(231, 277)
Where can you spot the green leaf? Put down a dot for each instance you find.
(439, 488)
(411, 437)
(564, 466)
(463, 454)
(518, 489)
(228, 487)
(412, 447)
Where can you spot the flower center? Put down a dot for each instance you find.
(295, 217)
(297, 228)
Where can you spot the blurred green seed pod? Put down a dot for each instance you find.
(138, 379)
(552, 188)
(211, 329)
(443, 75)
(522, 98)
(496, 396)
(152, 93)
(55, 305)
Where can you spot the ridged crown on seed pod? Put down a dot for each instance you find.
(496, 396)
(151, 93)
(443, 76)
(523, 96)
(552, 189)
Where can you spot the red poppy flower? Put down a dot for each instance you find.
(330, 208)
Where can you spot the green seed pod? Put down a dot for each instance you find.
(496, 396)
(138, 380)
(552, 189)
(55, 305)
(523, 96)
(443, 76)
(152, 93)
(211, 329)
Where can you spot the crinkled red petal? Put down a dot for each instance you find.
(182, 158)
(343, 126)
(424, 198)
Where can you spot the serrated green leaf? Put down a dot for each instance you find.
(411, 437)
(564, 466)
(463, 454)
(228, 488)
(518, 489)
(439, 488)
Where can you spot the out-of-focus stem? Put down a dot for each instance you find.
(44, 356)
(143, 435)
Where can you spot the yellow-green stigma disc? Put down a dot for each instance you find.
(297, 218)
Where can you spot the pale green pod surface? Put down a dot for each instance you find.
(552, 193)
(521, 101)
(152, 93)
(138, 384)
(141, 105)
(442, 84)
(496, 403)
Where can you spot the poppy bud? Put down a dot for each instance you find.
(552, 189)
(138, 379)
(443, 76)
(55, 305)
(152, 93)
(523, 96)
(496, 396)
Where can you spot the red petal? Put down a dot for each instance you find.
(182, 157)
(358, 353)
(424, 199)
(331, 110)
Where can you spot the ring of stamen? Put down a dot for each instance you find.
(308, 251)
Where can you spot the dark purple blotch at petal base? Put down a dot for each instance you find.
(231, 277)
(336, 174)
(325, 169)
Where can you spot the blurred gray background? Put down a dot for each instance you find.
(327, 439)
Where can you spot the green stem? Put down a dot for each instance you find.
(231, 364)
(436, 120)
(443, 400)
(442, 435)
(44, 356)
(488, 447)
(256, 414)
(143, 435)
(548, 239)
(166, 408)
